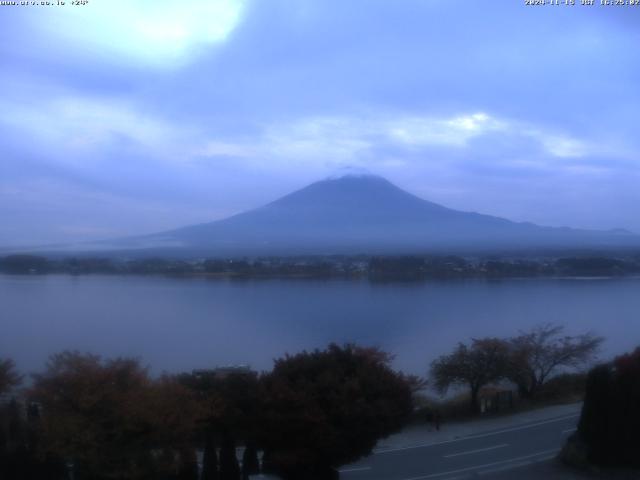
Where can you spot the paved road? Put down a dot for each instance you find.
(482, 455)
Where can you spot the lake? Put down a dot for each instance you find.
(178, 324)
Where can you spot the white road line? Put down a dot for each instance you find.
(492, 464)
(513, 466)
(469, 452)
(504, 468)
(569, 430)
(480, 435)
(354, 469)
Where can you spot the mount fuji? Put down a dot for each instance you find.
(362, 213)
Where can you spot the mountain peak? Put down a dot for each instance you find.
(358, 189)
(353, 172)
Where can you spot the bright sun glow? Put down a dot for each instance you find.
(152, 31)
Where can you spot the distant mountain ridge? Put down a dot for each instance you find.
(361, 213)
(351, 214)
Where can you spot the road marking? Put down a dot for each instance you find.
(504, 468)
(469, 452)
(354, 469)
(480, 435)
(569, 430)
(512, 466)
(492, 464)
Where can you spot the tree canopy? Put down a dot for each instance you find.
(610, 418)
(107, 415)
(325, 408)
(9, 377)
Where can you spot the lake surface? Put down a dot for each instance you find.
(181, 324)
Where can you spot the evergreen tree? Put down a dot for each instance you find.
(188, 464)
(250, 463)
(610, 419)
(229, 468)
(209, 459)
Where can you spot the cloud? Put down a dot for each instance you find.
(157, 32)
(215, 148)
(80, 130)
(564, 147)
(340, 140)
(82, 126)
(453, 131)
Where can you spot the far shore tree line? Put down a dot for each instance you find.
(376, 268)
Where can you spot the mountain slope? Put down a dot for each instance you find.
(368, 214)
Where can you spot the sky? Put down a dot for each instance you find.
(125, 117)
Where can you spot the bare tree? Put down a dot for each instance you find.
(475, 366)
(536, 355)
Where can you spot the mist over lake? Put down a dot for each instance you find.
(181, 324)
